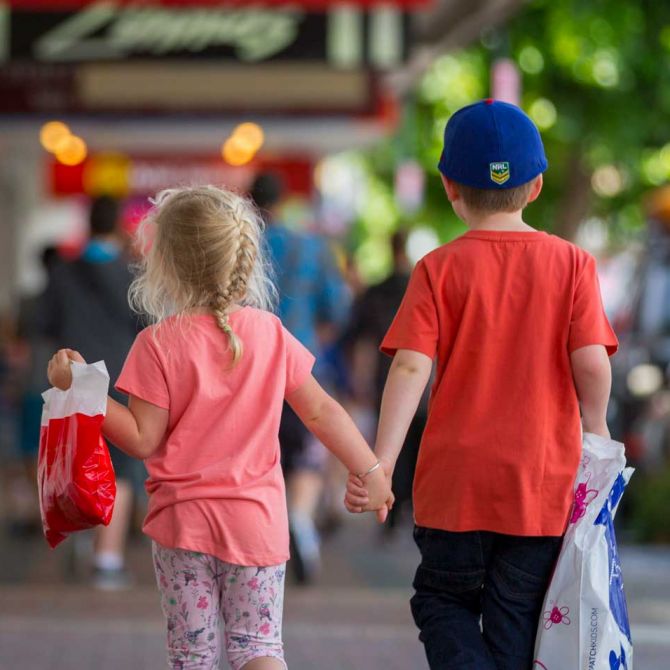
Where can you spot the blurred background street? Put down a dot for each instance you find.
(338, 108)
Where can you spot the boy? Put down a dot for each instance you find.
(514, 319)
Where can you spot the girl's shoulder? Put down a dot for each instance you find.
(259, 321)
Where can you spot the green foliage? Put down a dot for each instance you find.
(596, 80)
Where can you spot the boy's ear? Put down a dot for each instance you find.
(537, 188)
(451, 188)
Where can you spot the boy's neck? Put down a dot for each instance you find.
(498, 221)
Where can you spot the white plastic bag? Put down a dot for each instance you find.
(584, 622)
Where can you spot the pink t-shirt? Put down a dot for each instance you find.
(215, 483)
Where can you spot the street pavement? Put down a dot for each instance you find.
(356, 618)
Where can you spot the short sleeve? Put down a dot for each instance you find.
(299, 362)
(415, 325)
(143, 374)
(588, 323)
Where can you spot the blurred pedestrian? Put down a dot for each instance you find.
(371, 318)
(515, 319)
(313, 304)
(207, 386)
(37, 350)
(86, 307)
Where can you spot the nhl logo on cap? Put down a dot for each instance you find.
(499, 172)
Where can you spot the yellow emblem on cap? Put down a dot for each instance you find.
(499, 172)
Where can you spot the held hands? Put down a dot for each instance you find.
(58, 371)
(373, 493)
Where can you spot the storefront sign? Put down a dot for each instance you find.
(124, 176)
(105, 31)
(122, 58)
(310, 5)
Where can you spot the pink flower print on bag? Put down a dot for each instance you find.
(556, 615)
(583, 497)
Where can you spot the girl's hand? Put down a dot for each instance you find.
(58, 371)
(356, 496)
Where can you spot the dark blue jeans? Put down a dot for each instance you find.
(465, 578)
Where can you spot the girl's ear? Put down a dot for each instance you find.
(451, 188)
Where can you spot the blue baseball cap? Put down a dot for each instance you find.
(492, 145)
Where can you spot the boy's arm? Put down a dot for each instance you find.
(406, 382)
(592, 374)
(330, 423)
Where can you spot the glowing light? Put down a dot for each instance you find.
(543, 112)
(454, 81)
(531, 60)
(654, 168)
(249, 134)
(236, 153)
(52, 134)
(605, 69)
(644, 379)
(420, 242)
(71, 151)
(607, 181)
(243, 144)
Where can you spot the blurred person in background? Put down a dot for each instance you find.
(36, 351)
(641, 373)
(372, 316)
(86, 307)
(313, 305)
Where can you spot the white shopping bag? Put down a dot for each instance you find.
(584, 622)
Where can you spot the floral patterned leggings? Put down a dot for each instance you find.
(197, 590)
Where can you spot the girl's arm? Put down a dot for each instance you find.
(404, 387)
(137, 430)
(330, 423)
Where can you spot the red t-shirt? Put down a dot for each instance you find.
(501, 312)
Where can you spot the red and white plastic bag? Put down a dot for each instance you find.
(75, 476)
(584, 623)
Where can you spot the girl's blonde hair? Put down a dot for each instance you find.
(205, 250)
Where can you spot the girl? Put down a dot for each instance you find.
(206, 386)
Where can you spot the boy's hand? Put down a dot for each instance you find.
(58, 371)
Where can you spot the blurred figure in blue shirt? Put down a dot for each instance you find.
(314, 306)
(86, 307)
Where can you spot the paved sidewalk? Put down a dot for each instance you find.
(356, 619)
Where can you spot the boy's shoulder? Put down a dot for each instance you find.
(467, 245)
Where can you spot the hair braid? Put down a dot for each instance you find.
(201, 249)
(236, 287)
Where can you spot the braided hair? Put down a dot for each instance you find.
(206, 253)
